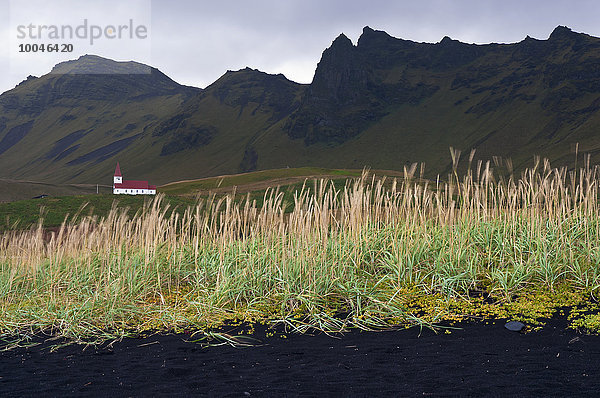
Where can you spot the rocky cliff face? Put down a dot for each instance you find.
(355, 86)
(338, 102)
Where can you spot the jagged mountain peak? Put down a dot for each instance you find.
(342, 41)
(375, 38)
(248, 71)
(447, 40)
(370, 33)
(94, 64)
(562, 32)
(247, 77)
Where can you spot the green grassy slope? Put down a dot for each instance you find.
(158, 133)
(19, 214)
(52, 211)
(69, 128)
(270, 178)
(12, 190)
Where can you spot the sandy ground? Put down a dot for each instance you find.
(478, 360)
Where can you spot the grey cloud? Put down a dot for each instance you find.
(195, 42)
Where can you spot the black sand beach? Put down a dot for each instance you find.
(478, 360)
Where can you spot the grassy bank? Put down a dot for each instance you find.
(52, 211)
(370, 254)
(281, 176)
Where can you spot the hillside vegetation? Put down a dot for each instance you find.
(384, 103)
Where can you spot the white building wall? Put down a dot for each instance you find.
(122, 191)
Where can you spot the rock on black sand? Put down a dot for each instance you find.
(514, 326)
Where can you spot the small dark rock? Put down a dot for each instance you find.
(514, 326)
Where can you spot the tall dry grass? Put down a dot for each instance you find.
(353, 251)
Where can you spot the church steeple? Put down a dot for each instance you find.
(117, 178)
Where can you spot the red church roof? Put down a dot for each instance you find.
(131, 184)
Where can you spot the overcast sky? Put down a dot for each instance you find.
(195, 42)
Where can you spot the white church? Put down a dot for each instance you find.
(131, 187)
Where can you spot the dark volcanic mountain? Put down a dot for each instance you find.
(411, 100)
(384, 102)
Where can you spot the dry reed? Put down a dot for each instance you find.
(338, 257)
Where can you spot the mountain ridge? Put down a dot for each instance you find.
(560, 31)
(384, 103)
